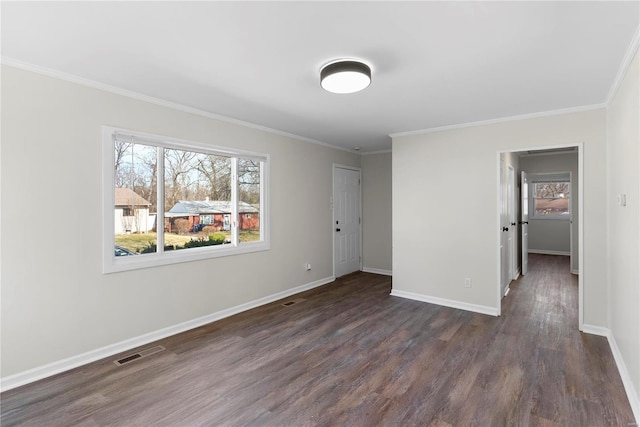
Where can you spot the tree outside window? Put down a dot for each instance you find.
(176, 196)
(551, 199)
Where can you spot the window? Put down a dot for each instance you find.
(177, 201)
(551, 196)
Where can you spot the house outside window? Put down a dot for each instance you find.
(199, 194)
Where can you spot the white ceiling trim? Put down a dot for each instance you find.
(368, 153)
(550, 152)
(161, 102)
(624, 65)
(501, 120)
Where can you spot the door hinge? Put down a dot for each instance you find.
(359, 220)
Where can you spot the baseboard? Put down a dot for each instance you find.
(632, 393)
(377, 271)
(595, 330)
(35, 374)
(491, 311)
(545, 252)
(629, 388)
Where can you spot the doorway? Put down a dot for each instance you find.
(346, 220)
(508, 191)
(551, 201)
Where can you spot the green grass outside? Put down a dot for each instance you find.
(249, 235)
(137, 242)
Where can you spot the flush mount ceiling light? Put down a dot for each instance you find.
(345, 76)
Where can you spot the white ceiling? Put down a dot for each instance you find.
(434, 64)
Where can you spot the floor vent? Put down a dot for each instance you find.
(293, 301)
(139, 355)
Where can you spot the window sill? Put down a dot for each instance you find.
(114, 264)
(551, 217)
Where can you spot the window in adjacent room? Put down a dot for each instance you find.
(550, 196)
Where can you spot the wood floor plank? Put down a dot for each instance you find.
(348, 353)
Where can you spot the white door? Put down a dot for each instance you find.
(571, 196)
(504, 231)
(513, 231)
(524, 222)
(346, 220)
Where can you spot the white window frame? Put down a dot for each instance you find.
(112, 264)
(535, 178)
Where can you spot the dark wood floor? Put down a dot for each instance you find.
(351, 355)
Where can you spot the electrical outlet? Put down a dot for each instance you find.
(467, 282)
(307, 266)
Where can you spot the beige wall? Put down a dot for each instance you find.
(623, 161)
(376, 212)
(451, 178)
(55, 301)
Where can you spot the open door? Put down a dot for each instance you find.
(524, 222)
(505, 261)
(513, 223)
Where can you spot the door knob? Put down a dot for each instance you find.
(337, 229)
(505, 228)
(513, 223)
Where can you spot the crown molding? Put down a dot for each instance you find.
(624, 66)
(501, 120)
(4, 60)
(552, 153)
(369, 153)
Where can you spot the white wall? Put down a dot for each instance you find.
(623, 161)
(451, 178)
(56, 303)
(549, 234)
(376, 212)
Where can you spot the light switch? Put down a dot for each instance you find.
(622, 200)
